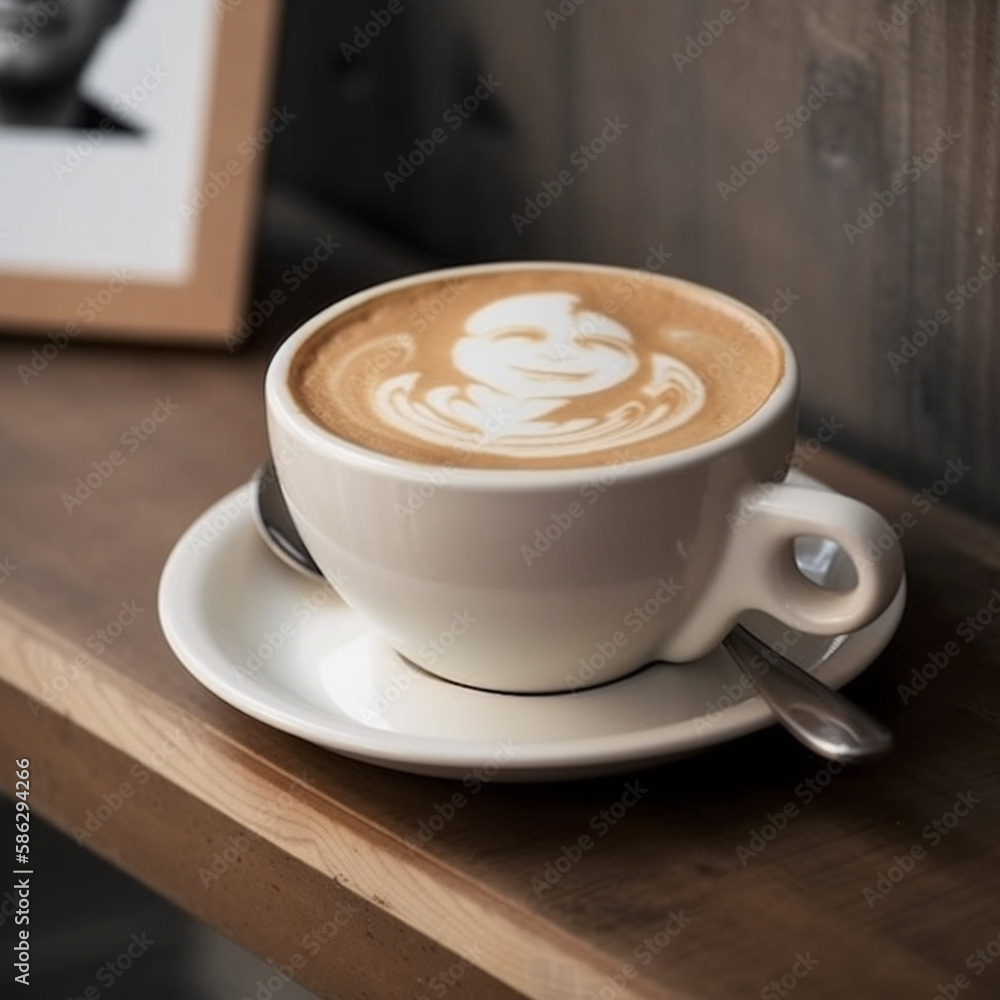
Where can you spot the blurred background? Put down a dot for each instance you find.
(840, 99)
(833, 163)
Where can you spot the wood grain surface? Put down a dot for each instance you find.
(312, 831)
(700, 96)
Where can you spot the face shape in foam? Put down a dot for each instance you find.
(522, 359)
(527, 370)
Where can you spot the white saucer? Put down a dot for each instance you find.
(223, 596)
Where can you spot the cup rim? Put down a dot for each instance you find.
(281, 403)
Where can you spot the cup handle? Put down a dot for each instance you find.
(758, 569)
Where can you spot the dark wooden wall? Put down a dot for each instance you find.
(893, 90)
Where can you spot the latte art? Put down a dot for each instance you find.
(523, 359)
(540, 368)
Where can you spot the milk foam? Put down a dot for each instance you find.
(523, 358)
(537, 367)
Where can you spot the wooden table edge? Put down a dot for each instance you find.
(524, 951)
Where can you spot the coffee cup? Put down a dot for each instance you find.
(577, 541)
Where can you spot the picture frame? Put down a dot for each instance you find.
(135, 209)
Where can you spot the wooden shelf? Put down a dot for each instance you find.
(301, 839)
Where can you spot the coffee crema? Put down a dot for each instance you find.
(537, 368)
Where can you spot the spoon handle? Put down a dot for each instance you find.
(817, 716)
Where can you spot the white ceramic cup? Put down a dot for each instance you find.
(665, 555)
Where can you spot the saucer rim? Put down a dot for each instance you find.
(192, 643)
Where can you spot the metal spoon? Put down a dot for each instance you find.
(817, 716)
(275, 523)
